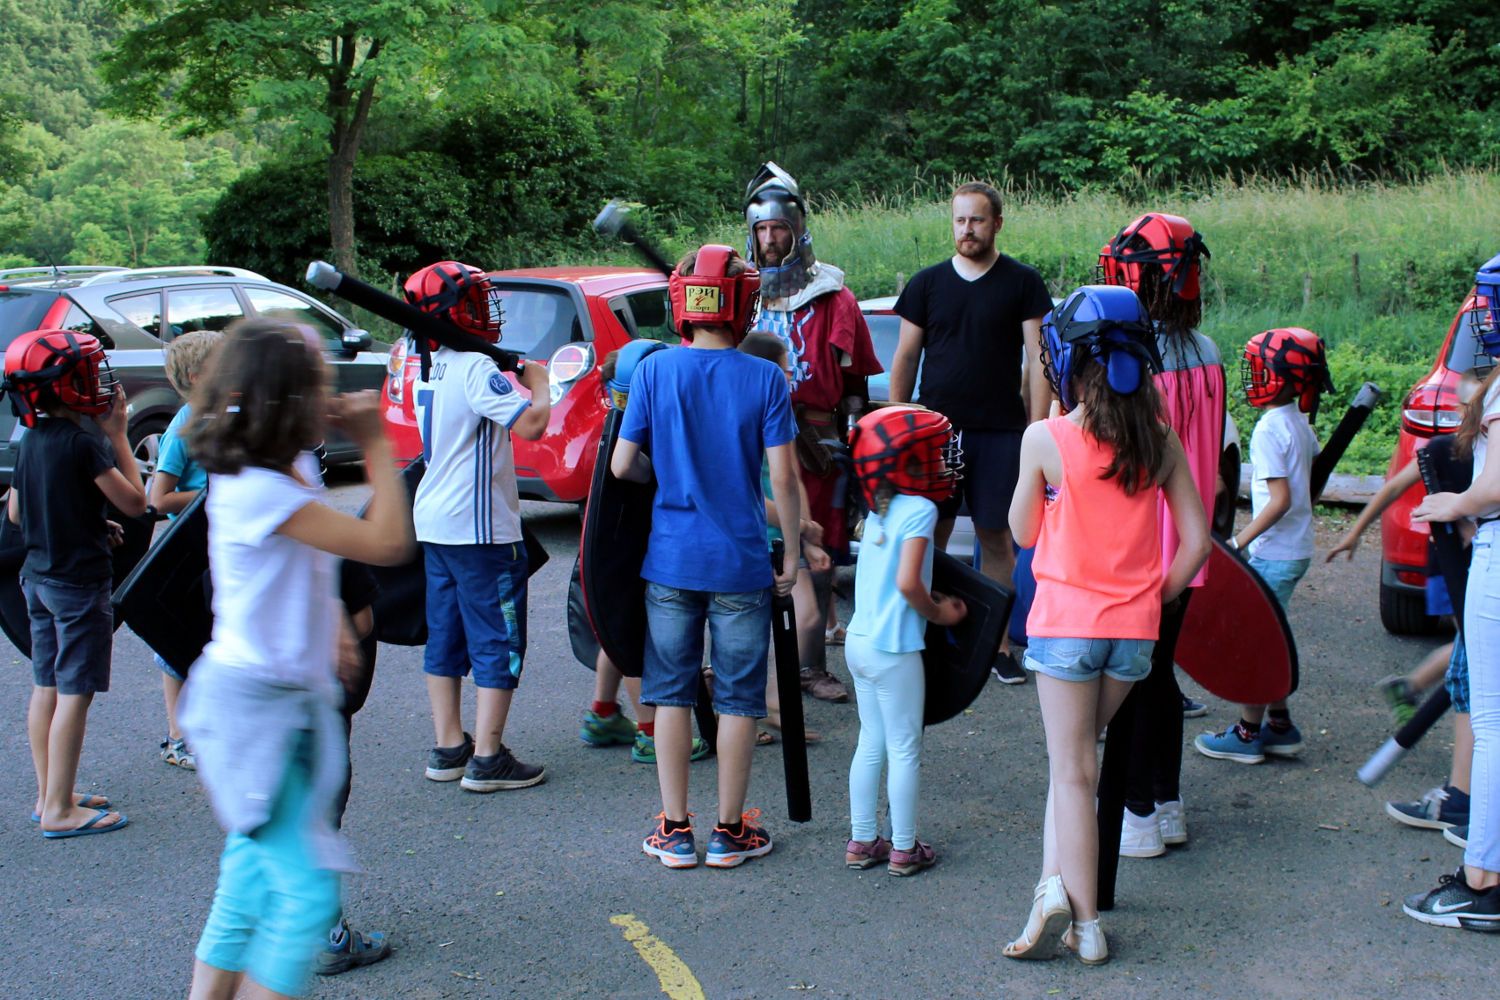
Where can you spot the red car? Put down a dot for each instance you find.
(570, 318)
(1430, 409)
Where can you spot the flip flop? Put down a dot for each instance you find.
(102, 803)
(763, 738)
(88, 828)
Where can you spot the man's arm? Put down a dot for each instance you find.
(1038, 392)
(904, 364)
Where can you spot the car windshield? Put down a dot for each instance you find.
(537, 321)
(21, 312)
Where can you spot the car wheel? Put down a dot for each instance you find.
(145, 444)
(1404, 612)
(1225, 502)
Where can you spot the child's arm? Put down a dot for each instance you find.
(1483, 494)
(937, 608)
(1398, 484)
(387, 537)
(630, 463)
(1188, 518)
(532, 423)
(121, 485)
(1038, 451)
(785, 488)
(1278, 503)
(165, 496)
(13, 506)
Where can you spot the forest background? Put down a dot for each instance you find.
(1340, 158)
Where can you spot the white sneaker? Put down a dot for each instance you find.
(1140, 836)
(1172, 823)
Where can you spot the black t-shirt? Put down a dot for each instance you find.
(62, 511)
(973, 343)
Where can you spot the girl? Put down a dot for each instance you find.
(1470, 897)
(1087, 499)
(1159, 258)
(261, 705)
(906, 463)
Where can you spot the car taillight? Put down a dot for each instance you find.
(395, 372)
(566, 366)
(1412, 578)
(1431, 409)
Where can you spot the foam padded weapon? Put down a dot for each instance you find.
(324, 276)
(1333, 449)
(612, 221)
(789, 681)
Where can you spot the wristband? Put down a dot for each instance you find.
(1233, 543)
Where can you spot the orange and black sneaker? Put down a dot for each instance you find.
(676, 849)
(726, 849)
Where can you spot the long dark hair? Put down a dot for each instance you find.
(1473, 423)
(1131, 425)
(259, 400)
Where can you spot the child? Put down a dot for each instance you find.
(1159, 257)
(1470, 898)
(1087, 499)
(703, 418)
(906, 463)
(604, 723)
(175, 485)
(261, 706)
(468, 519)
(1283, 371)
(64, 474)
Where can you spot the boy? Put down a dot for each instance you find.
(64, 474)
(467, 516)
(1283, 371)
(176, 484)
(703, 418)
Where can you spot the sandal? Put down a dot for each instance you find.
(763, 738)
(89, 828)
(859, 854)
(84, 800)
(808, 735)
(834, 636)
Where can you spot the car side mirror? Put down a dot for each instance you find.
(355, 341)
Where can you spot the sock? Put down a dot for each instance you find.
(605, 709)
(647, 728)
(735, 829)
(1138, 821)
(1279, 719)
(1248, 730)
(673, 825)
(1133, 811)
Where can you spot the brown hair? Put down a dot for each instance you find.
(1129, 424)
(185, 357)
(607, 369)
(765, 345)
(1473, 423)
(980, 187)
(260, 398)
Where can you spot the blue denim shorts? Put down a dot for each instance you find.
(1281, 575)
(1085, 659)
(1456, 680)
(476, 612)
(72, 635)
(740, 626)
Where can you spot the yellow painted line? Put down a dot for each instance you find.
(677, 980)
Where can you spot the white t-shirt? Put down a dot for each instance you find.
(1481, 441)
(465, 412)
(1283, 446)
(275, 602)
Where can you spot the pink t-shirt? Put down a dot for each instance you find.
(1097, 566)
(1192, 393)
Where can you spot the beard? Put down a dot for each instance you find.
(973, 247)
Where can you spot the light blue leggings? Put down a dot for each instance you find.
(273, 905)
(891, 690)
(1482, 642)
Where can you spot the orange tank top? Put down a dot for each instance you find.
(1098, 558)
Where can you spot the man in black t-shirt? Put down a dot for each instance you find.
(969, 321)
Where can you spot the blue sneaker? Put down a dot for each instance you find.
(1458, 836)
(346, 949)
(676, 849)
(1439, 809)
(725, 850)
(644, 751)
(1287, 743)
(607, 731)
(1231, 745)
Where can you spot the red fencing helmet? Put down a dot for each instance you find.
(909, 448)
(1170, 241)
(64, 366)
(461, 293)
(710, 296)
(1285, 356)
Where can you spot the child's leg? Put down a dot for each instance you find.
(489, 724)
(443, 694)
(64, 747)
(238, 902)
(736, 744)
(810, 622)
(1072, 712)
(445, 659)
(1462, 768)
(902, 693)
(1430, 671)
(869, 753)
(674, 741)
(171, 690)
(38, 725)
(643, 713)
(607, 679)
(669, 681)
(739, 627)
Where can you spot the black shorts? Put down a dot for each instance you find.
(992, 464)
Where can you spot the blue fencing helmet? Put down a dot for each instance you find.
(1484, 318)
(1102, 323)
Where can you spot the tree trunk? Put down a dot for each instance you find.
(341, 209)
(346, 129)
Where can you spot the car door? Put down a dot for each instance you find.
(350, 373)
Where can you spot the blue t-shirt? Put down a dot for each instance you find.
(881, 614)
(706, 418)
(172, 456)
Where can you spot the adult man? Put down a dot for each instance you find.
(804, 303)
(969, 320)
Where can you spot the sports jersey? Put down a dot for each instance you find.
(465, 411)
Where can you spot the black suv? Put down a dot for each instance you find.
(135, 313)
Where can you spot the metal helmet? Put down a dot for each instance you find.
(1169, 241)
(711, 296)
(773, 195)
(908, 448)
(1484, 318)
(1102, 323)
(460, 293)
(60, 366)
(1281, 357)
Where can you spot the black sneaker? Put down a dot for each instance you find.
(1007, 670)
(447, 763)
(1193, 709)
(1454, 904)
(1458, 836)
(500, 771)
